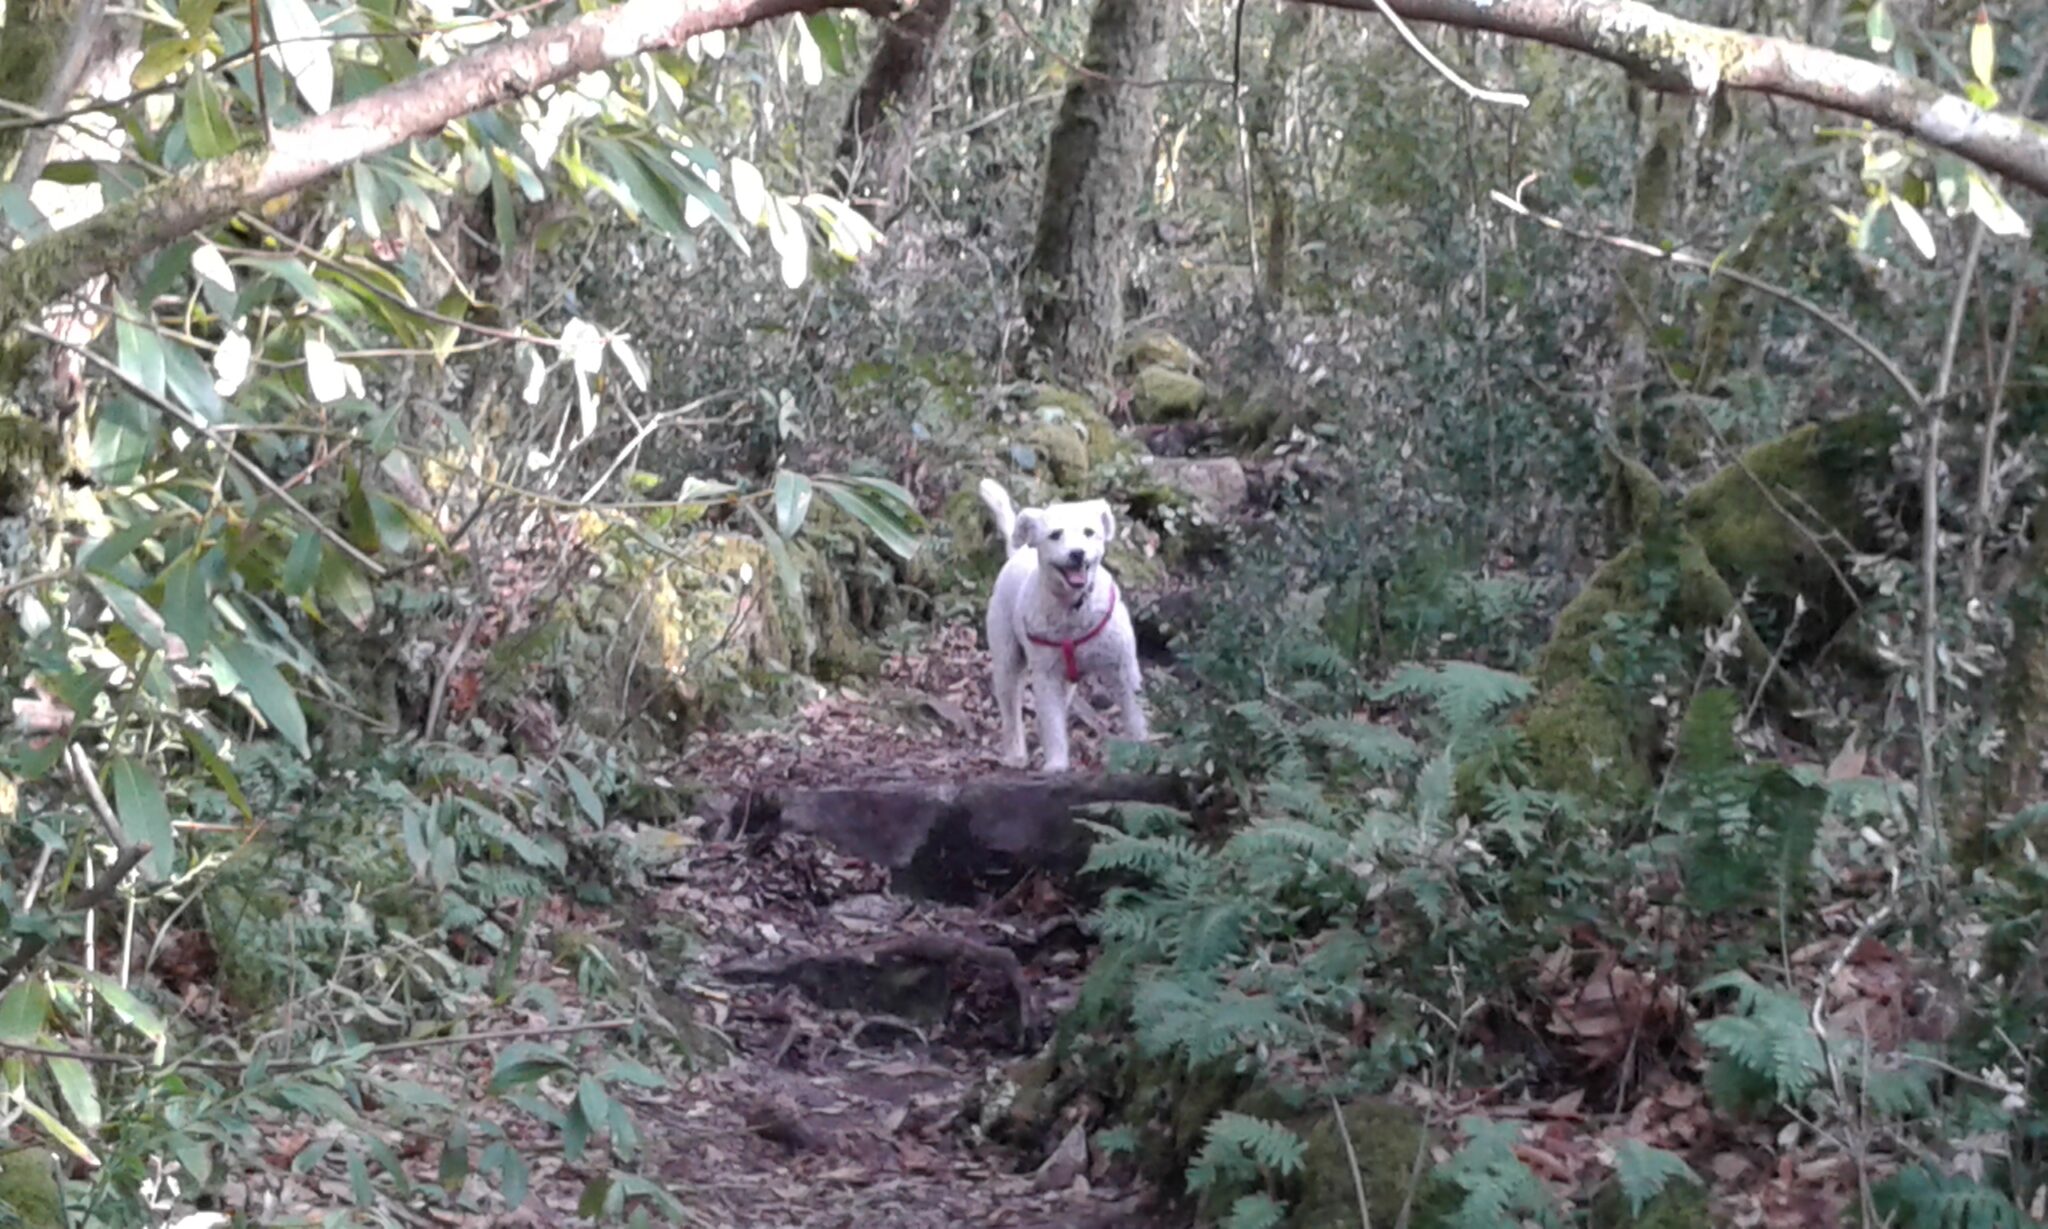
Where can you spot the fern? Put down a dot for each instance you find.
(1466, 694)
(1257, 1211)
(1203, 1022)
(1153, 857)
(1238, 1146)
(1375, 748)
(1644, 1172)
(1923, 1198)
(1497, 1188)
(1771, 1039)
(1213, 935)
(1306, 842)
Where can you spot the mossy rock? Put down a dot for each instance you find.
(1081, 414)
(1163, 394)
(1387, 1138)
(1063, 452)
(1681, 1205)
(30, 1193)
(1156, 348)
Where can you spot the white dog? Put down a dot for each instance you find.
(1055, 616)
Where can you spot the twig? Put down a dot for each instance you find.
(1506, 98)
(32, 945)
(1351, 1157)
(1836, 324)
(256, 66)
(1928, 810)
(87, 778)
(199, 426)
(448, 668)
(1244, 137)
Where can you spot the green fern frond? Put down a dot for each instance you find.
(1644, 1172)
(1375, 748)
(1307, 842)
(1258, 1211)
(1213, 935)
(1152, 857)
(1233, 1139)
(1498, 1189)
(1772, 1038)
(1464, 693)
(1924, 1198)
(1203, 1021)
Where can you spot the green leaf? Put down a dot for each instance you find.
(65, 1137)
(207, 127)
(595, 1192)
(238, 661)
(887, 526)
(503, 1159)
(75, 1084)
(123, 437)
(1644, 1172)
(216, 767)
(23, 1012)
(831, 44)
(591, 1101)
(104, 556)
(454, 1168)
(187, 608)
(585, 795)
(792, 502)
(525, 1062)
(1915, 226)
(1998, 217)
(139, 803)
(648, 194)
(302, 564)
(140, 351)
(135, 614)
(1878, 24)
(161, 60)
(346, 590)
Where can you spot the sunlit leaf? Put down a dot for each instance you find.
(208, 129)
(75, 1084)
(831, 43)
(792, 502)
(1991, 209)
(1915, 227)
(1878, 24)
(792, 244)
(140, 350)
(65, 1137)
(749, 192)
(304, 48)
(1983, 49)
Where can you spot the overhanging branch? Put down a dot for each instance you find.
(307, 153)
(1672, 54)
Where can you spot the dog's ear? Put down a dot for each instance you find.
(1030, 528)
(1108, 520)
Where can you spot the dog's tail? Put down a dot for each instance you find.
(1000, 507)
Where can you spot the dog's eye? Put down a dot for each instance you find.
(1055, 534)
(1088, 533)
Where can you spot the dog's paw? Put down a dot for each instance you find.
(1016, 759)
(1055, 767)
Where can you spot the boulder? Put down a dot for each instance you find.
(1164, 394)
(1156, 348)
(1218, 486)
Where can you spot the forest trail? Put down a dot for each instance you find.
(885, 922)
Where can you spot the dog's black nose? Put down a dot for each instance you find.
(1076, 556)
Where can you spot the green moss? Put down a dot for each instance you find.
(1083, 415)
(1155, 348)
(1164, 394)
(1387, 1139)
(30, 1195)
(1063, 451)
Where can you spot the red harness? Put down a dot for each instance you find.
(1067, 647)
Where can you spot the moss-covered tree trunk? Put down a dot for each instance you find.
(1094, 181)
(1275, 188)
(888, 113)
(1778, 525)
(1635, 295)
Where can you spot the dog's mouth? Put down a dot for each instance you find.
(1076, 575)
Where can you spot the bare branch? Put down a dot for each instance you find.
(1668, 53)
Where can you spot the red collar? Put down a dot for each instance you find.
(1067, 647)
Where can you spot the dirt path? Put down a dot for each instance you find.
(869, 1027)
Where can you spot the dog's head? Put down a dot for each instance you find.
(1070, 539)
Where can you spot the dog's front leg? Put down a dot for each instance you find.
(1049, 694)
(1132, 702)
(1009, 682)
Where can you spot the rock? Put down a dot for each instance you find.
(1063, 451)
(1067, 1162)
(1163, 394)
(1216, 485)
(29, 1190)
(956, 841)
(1156, 348)
(1083, 415)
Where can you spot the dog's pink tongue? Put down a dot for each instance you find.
(1075, 580)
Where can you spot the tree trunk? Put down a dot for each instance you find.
(889, 113)
(1274, 184)
(1094, 182)
(1636, 291)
